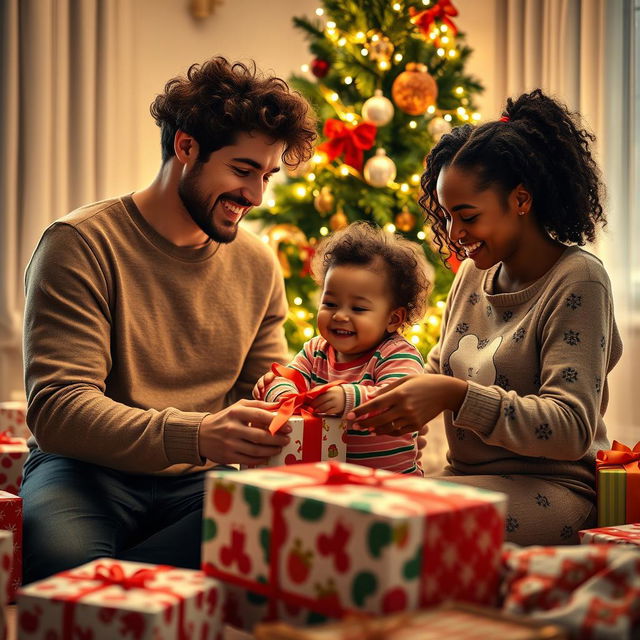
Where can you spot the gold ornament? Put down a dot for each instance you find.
(437, 127)
(338, 220)
(379, 170)
(378, 109)
(414, 90)
(324, 201)
(405, 220)
(380, 48)
(289, 234)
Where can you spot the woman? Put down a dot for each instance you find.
(528, 334)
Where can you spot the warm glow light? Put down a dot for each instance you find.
(444, 28)
(461, 111)
(301, 314)
(431, 109)
(415, 328)
(397, 6)
(311, 177)
(433, 321)
(304, 68)
(331, 24)
(308, 332)
(404, 187)
(447, 117)
(364, 51)
(459, 90)
(415, 339)
(391, 228)
(415, 178)
(444, 40)
(440, 304)
(265, 238)
(349, 117)
(334, 97)
(440, 52)
(360, 36)
(342, 42)
(344, 170)
(421, 235)
(319, 11)
(413, 124)
(324, 231)
(398, 57)
(476, 116)
(383, 65)
(271, 203)
(426, 2)
(297, 300)
(301, 192)
(319, 157)
(375, 37)
(452, 53)
(348, 80)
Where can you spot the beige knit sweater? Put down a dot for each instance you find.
(537, 362)
(130, 340)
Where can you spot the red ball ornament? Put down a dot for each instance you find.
(320, 67)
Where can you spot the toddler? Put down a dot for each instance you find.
(373, 284)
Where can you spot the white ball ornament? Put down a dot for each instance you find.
(437, 127)
(379, 170)
(378, 109)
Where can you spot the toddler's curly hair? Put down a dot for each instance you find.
(369, 246)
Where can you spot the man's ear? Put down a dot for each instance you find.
(396, 319)
(185, 147)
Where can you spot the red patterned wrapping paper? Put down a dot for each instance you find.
(623, 534)
(13, 454)
(11, 520)
(6, 562)
(334, 538)
(107, 599)
(13, 418)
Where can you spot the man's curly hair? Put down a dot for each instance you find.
(541, 146)
(369, 246)
(218, 99)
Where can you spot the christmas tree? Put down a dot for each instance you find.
(387, 81)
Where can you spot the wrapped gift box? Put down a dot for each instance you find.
(11, 520)
(618, 485)
(13, 418)
(6, 563)
(106, 599)
(13, 454)
(624, 534)
(336, 537)
(452, 621)
(313, 439)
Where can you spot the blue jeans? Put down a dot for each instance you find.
(75, 512)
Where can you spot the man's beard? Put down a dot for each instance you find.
(200, 211)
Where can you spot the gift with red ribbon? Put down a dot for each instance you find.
(13, 454)
(623, 534)
(13, 418)
(108, 598)
(11, 520)
(618, 485)
(427, 19)
(6, 562)
(352, 141)
(333, 538)
(313, 438)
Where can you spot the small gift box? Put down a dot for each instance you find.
(13, 454)
(106, 599)
(335, 537)
(618, 485)
(11, 520)
(624, 534)
(6, 562)
(451, 621)
(13, 419)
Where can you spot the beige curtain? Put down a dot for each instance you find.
(581, 51)
(65, 129)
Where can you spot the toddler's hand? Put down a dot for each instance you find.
(262, 384)
(331, 402)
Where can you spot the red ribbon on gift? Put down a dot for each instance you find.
(425, 20)
(6, 437)
(333, 474)
(107, 575)
(352, 141)
(620, 455)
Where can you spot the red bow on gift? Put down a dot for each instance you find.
(620, 455)
(352, 141)
(114, 574)
(425, 20)
(7, 438)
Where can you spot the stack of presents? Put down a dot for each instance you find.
(313, 547)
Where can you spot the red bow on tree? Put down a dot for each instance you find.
(425, 20)
(352, 141)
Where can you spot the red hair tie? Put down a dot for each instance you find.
(504, 119)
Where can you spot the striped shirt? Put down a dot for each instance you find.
(393, 358)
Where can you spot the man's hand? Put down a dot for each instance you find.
(262, 384)
(331, 402)
(238, 434)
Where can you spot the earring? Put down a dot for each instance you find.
(521, 213)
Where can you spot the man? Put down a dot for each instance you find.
(146, 316)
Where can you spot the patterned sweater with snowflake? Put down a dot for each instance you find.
(536, 362)
(392, 359)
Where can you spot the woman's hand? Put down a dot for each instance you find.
(331, 402)
(408, 403)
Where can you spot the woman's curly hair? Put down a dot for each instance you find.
(367, 245)
(218, 99)
(542, 146)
